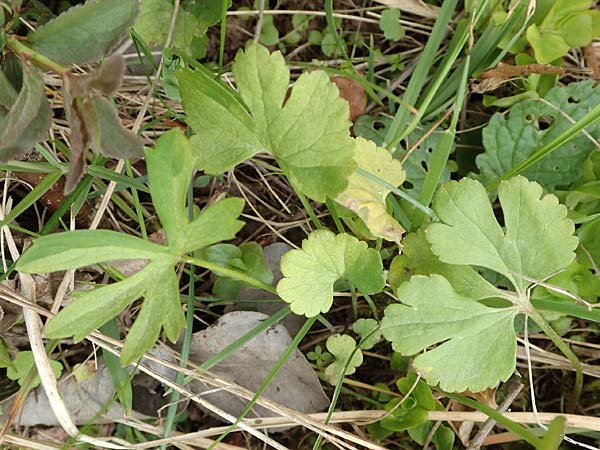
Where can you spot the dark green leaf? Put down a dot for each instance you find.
(85, 33)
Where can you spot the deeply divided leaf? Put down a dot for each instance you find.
(477, 343)
(85, 33)
(309, 274)
(536, 242)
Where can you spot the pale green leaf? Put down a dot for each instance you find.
(537, 241)
(390, 24)
(310, 137)
(5, 359)
(161, 306)
(546, 46)
(417, 259)
(62, 251)
(27, 117)
(347, 357)
(262, 79)
(154, 22)
(368, 330)
(511, 139)
(310, 273)
(24, 363)
(170, 166)
(577, 30)
(92, 309)
(225, 133)
(367, 198)
(477, 343)
(85, 33)
(218, 222)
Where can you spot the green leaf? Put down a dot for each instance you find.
(478, 343)
(24, 363)
(269, 34)
(262, 79)
(85, 33)
(413, 409)
(546, 46)
(170, 167)
(215, 223)
(368, 330)
(161, 306)
(530, 124)
(154, 22)
(308, 136)
(27, 117)
(537, 241)
(347, 357)
(367, 198)
(390, 24)
(310, 273)
(75, 249)
(92, 309)
(418, 259)
(5, 359)
(225, 132)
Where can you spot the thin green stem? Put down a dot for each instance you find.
(310, 211)
(566, 350)
(21, 49)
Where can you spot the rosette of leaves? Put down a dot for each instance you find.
(476, 343)
(82, 34)
(170, 166)
(308, 133)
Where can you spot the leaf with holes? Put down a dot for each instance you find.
(309, 274)
(509, 140)
(367, 198)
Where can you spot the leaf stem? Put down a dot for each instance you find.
(28, 53)
(231, 273)
(566, 350)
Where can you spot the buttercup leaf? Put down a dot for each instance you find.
(537, 241)
(368, 330)
(85, 33)
(367, 198)
(310, 273)
(477, 343)
(27, 119)
(347, 358)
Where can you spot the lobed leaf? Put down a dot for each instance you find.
(63, 251)
(310, 273)
(477, 343)
(538, 238)
(347, 357)
(367, 198)
(85, 33)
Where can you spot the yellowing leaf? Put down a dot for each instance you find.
(367, 198)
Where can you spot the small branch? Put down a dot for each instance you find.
(26, 52)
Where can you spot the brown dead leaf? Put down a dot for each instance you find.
(354, 94)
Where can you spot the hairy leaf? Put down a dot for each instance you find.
(367, 198)
(537, 241)
(80, 248)
(509, 140)
(85, 33)
(27, 118)
(310, 273)
(477, 343)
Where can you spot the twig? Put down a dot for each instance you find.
(514, 388)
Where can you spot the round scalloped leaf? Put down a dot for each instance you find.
(310, 273)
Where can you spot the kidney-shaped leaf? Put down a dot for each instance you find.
(537, 241)
(85, 33)
(27, 119)
(477, 343)
(367, 198)
(79, 248)
(310, 273)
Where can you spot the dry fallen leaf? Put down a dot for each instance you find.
(354, 94)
